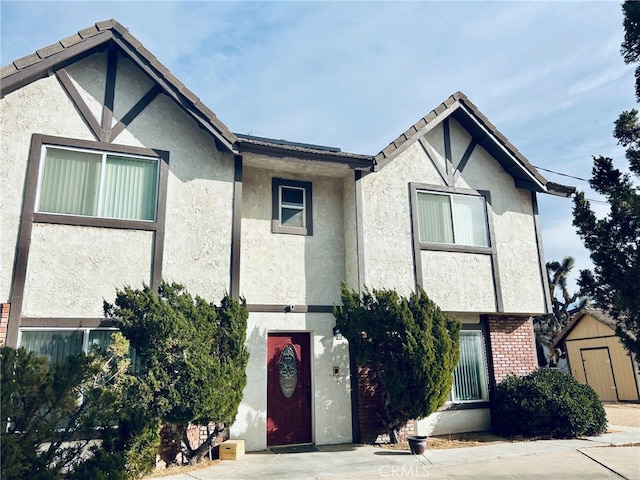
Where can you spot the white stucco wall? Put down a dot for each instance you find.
(199, 198)
(455, 421)
(72, 269)
(515, 236)
(387, 220)
(291, 269)
(457, 281)
(331, 418)
(40, 107)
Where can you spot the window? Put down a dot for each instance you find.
(470, 382)
(452, 219)
(97, 184)
(291, 207)
(58, 344)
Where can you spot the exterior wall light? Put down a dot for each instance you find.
(337, 333)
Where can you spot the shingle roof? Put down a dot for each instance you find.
(458, 106)
(47, 60)
(596, 313)
(283, 148)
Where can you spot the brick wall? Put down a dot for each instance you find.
(512, 346)
(170, 441)
(369, 406)
(4, 321)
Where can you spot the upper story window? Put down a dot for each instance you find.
(97, 184)
(450, 218)
(291, 207)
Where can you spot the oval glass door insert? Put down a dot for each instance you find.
(288, 371)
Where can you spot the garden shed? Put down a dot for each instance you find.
(597, 358)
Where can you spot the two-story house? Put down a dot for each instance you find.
(112, 172)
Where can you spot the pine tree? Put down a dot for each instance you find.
(192, 357)
(614, 241)
(411, 346)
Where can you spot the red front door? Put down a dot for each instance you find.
(288, 389)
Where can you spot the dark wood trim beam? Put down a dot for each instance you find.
(80, 104)
(236, 228)
(544, 278)
(447, 151)
(55, 322)
(425, 146)
(495, 267)
(466, 156)
(158, 239)
(415, 237)
(277, 308)
(103, 146)
(109, 94)
(24, 242)
(135, 111)
(360, 231)
(58, 219)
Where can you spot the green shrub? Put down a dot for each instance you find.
(548, 404)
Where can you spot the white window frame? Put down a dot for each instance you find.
(277, 187)
(103, 154)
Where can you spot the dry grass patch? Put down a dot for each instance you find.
(458, 440)
(178, 469)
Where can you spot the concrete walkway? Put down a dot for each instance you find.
(602, 457)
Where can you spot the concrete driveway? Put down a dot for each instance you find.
(607, 456)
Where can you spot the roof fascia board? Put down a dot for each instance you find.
(170, 91)
(47, 66)
(534, 181)
(430, 125)
(365, 164)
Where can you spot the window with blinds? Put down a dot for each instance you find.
(470, 379)
(58, 344)
(97, 184)
(453, 219)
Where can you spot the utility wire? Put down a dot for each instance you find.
(563, 174)
(601, 202)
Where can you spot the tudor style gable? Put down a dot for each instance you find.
(452, 208)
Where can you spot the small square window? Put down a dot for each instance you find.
(291, 207)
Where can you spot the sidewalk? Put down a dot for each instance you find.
(599, 457)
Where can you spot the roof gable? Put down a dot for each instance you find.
(48, 60)
(594, 313)
(484, 134)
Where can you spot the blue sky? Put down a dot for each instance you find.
(355, 75)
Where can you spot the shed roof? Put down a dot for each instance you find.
(595, 313)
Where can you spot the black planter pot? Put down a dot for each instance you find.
(417, 444)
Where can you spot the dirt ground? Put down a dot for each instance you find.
(623, 413)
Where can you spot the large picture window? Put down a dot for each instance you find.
(470, 382)
(452, 219)
(97, 184)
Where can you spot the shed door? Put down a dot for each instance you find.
(288, 389)
(599, 373)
